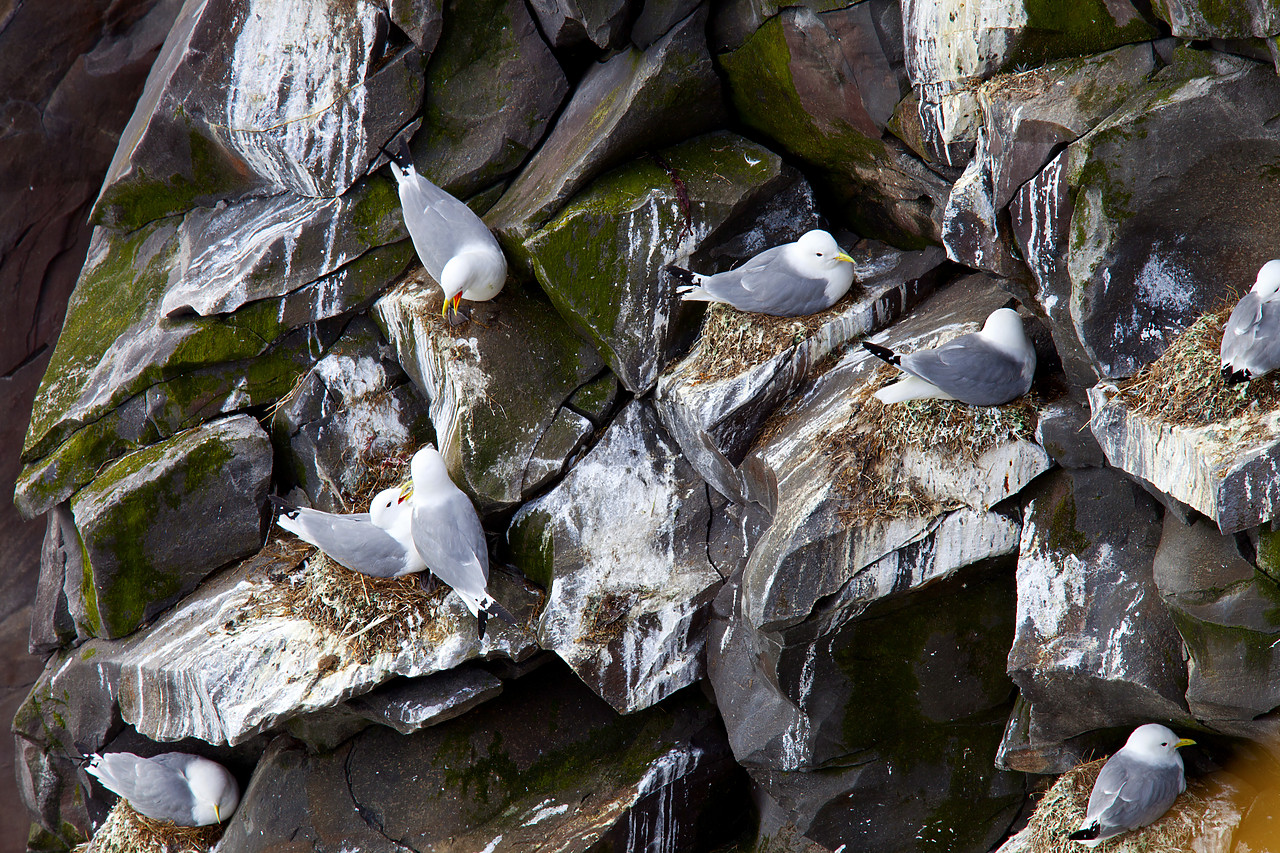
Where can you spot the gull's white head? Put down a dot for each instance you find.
(1156, 743)
(214, 789)
(1268, 282)
(1004, 327)
(429, 471)
(478, 274)
(385, 507)
(816, 253)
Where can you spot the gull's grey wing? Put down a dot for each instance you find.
(450, 540)
(1131, 793)
(439, 224)
(152, 787)
(1251, 337)
(768, 284)
(352, 540)
(971, 370)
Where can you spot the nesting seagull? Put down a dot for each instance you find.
(1251, 339)
(377, 543)
(803, 277)
(986, 368)
(1136, 786)
(448, 536)
(186, 789)
(453, 243)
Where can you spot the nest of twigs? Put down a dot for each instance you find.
(1184, 386)
(126, 831)
(870, 447)
(1063, 806)
(732, 341)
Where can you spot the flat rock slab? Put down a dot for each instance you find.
(601, 259)
(621, 547)
(135, 520)
(714, 401)
(632, 101)
(496, 386)
(1230, 472)
(546, 766)
(1095, 647)
(232, 660)
(214, 122)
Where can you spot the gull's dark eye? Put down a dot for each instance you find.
(819, 254)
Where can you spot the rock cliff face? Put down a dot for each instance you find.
(756, 609)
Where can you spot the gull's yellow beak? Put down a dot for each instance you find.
(1186, 741)
(216, 813)
(405, 491)
(842, 256)
(444, 309)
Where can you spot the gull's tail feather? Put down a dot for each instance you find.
(882, 353)
(909, 387)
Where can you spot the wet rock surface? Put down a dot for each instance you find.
(756, 609)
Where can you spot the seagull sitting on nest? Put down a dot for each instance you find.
(986, 368)
(803, 277)
(377, 543)
(449, 538)
(457, 248)
(1136, 787)
(185, 789)
(1251, 339)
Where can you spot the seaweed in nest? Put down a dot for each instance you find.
(869, 448)
(126, 831)
(372, 615)
(1063, 806)
(732, 341)
(1184, 386)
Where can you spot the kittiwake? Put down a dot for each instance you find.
(378, 543)
(1136, 786)
(456, 247)
(449, 538)
(803, 277)
(986, 368)
(186, 789)
(1251, 339)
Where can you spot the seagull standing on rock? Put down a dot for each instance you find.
(457, 248)
(1251, 338)
(186, 789)
(1136, 787)
(987, 368)
(790, 280)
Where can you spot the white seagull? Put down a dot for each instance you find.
(1136, 786)
(449, 538)
(803, 277)
(1251, 339)
(456, 247)
(186, 789)
(986, 368)
(377, 543)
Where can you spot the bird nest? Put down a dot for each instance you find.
(734, 341)
(1062, 807)
(868, 450)
(370, 615)
(126, 831)
(1184, 386)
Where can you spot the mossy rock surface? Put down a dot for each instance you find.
(136, 520)
(600, 260)
(1215, 19)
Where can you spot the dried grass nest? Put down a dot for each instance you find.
(126, 831)
(1184, 386)
(1062, 808)
(869, 448)
(733, 341)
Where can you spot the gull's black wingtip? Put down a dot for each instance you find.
(282, 506)
(1088, 833)
(882, 353)
(679, 273)
(1234, 377)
